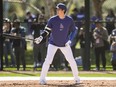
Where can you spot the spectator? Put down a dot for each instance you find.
(82, 45)
(100, 34)
(113, 48)
(81, 38)
(93, 19)
(7, 43)
(110, 21)
(74, 42)
(18, 43)
(58, 59)
(39, 50)
(14, 17)
(29, 19)
(81, 17)
(113, 59)
(74, 15)
(59, 62)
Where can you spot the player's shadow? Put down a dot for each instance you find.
(65, 85)
(20, 72)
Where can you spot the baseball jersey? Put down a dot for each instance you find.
(60, 30)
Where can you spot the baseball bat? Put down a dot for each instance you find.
(16, 37)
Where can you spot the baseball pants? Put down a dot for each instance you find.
(49, 58)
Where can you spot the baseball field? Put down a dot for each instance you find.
(58, 79)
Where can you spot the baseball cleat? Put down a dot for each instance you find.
(42, 82)
(77, 81)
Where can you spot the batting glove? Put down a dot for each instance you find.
(38, 40)
(68, 43)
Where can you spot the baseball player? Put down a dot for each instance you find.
(62, 30)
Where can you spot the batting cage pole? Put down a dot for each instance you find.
(1, 39)
(87, 35)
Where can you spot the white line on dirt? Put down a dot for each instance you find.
(55, 78)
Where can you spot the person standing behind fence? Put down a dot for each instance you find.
(39, 50)
(19, 44)
(113, 50)
(100, 34)
(8, 43)
(29, 20)
(74, 15)
(112, 38)
(81, 37)
(81, 17)
(110, 21)
(75, 40)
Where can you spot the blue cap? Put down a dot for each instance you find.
(61, 6)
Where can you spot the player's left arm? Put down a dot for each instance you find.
(73, 33)
(73, 30)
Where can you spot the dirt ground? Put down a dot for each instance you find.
(59, 83)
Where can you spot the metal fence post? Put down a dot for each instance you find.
(1, 39)
(87, 35)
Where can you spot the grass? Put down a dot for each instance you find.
(29, 72)
(58, 74)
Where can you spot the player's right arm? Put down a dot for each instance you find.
(44, 34)
(46, 31)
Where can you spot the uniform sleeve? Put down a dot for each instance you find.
(73, 31)
(72, 26)
(49, 23)
(73, 34)
(47, 29)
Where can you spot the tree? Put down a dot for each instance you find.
(98, 7)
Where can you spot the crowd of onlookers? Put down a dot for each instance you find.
(15, 44)
(102, 36)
